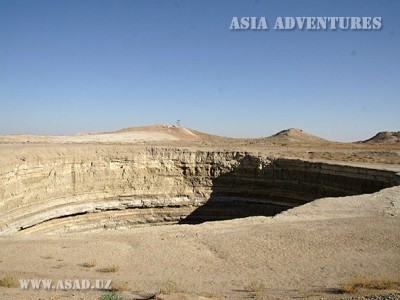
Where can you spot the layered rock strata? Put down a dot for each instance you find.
(61, 189)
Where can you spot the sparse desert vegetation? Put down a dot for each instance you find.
(109, 269)
(90, 264)
(358, 283)
(9, 282)
(111, 296)
(255, 287)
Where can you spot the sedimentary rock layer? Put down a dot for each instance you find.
(69, 189)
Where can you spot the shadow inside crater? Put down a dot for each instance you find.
(219, 209)
(250, 189)
(259, 188)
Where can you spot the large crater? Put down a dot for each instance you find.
(61, 189)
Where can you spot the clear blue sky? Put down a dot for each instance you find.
(80, 66)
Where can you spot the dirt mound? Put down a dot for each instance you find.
(385, 137)
(178, 132)
(294, 135)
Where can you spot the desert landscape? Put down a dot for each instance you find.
(199, 150)
(168, 212)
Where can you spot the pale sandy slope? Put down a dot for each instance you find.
(128, 135)
(307, 252)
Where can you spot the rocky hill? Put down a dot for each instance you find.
(385, 137)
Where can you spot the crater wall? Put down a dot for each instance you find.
(77, 189)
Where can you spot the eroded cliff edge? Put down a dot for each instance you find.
(61, 189)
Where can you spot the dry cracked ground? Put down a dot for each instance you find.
(165, 212)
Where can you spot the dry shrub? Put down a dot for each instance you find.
(255, 287)
(90, 264)
(9, 282)
(357, 283)
(110, 269)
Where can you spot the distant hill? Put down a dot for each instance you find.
(179, 132)
(153, 133)
(384, 137)
(174, 132)
(294, 135)
(170, 133)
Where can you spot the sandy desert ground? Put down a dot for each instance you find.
(320, 250)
